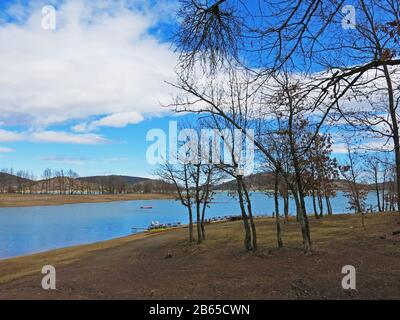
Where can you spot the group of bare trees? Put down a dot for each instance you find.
(68, 182)
(373, 173)
(193, 177)
(16, 181)
(52, 181)
(290, 71)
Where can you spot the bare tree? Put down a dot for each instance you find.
(47, 175)
(352, 173)
(179, 176)
(233, 143)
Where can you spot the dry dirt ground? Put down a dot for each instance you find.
(136, 267)
(29, 200)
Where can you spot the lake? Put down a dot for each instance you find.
(29, 230)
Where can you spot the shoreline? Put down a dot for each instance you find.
(28, 264)
(111, 241)
(33, 200)
(136, 267)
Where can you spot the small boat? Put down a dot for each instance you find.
(157, 225)
(146, 207)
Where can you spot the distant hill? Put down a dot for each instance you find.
(341, 184)
(105, 179)
(92, 184)
(6, 178)
(155, 186)
(129, 184)
(11, 183)
(266, 181)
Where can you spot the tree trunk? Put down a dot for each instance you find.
(206, 198)
(190, 224)
(321, 205)
(303, 219)
(314, 204)
(250, 212)
(278, 224)
(383, 193)
(203, 231)
(286, 206)
(303, 226)
(198, 223)
(395, 129)
(298, 192)
(378, 200)
(247, 232)
(328, 205)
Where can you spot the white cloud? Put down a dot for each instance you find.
(52, 137)
(372, 146)
(9, 136)
(117, 120)
(339, 148)
(101, 60)
(6, 150)
(116, 159)
(65, 137)
(65, 160)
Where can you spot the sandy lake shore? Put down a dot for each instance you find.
(29, 200)
(135, 267)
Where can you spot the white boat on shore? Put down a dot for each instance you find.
(157, 225)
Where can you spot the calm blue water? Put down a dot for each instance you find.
(35, 229)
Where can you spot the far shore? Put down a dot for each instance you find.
(30, 200)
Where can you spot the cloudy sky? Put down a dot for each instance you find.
(85, 94)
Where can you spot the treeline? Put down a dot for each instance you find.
(68, 182)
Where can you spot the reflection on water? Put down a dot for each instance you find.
(34, 229)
